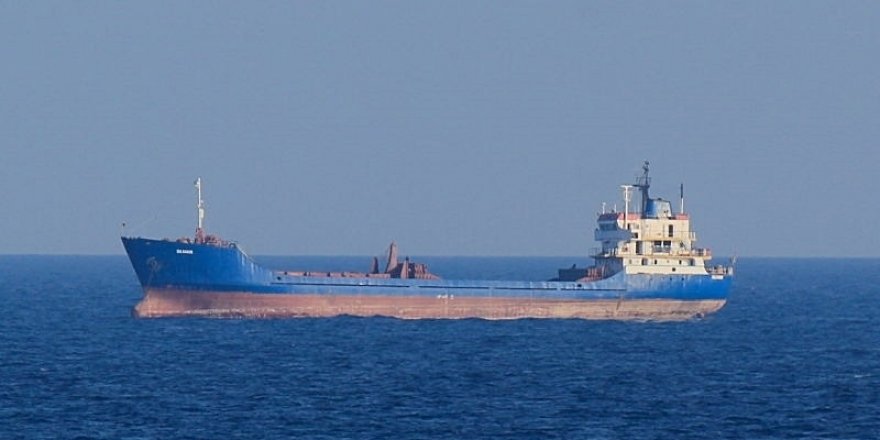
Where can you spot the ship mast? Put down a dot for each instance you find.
(681, 195)
(200, 207)
(627, 197)
(643, 183)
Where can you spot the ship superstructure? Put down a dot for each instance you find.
(651, 240)
(647, 238)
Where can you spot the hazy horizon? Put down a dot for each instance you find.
(455, 129)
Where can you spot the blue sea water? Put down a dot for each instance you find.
(794, 354)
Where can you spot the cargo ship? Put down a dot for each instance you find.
(647, 268)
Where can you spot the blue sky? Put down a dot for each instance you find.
(455, 128)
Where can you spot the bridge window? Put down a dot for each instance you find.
(670, 230)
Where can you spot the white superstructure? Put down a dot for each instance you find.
(652, 240)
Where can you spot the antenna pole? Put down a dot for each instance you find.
(681, 211)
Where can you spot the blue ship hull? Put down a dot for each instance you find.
(193, 279)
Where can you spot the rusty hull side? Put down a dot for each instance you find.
(159, 303)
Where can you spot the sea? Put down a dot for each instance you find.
(795, 354)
